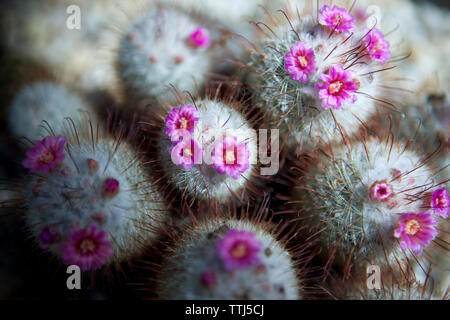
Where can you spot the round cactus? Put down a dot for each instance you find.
(208, 149)
(227, 259)
(164, 46)
(368, 200)
(319, 77)
(88, 195)
(45, 100)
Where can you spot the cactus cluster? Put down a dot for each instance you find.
(146, 156)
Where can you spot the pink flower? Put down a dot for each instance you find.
(381, 191)
(110, 188)
(239, 249)
(45, 155)
(186, 153)
(441, 202)
(416, 231)
(337, 18)
(208, 279)
(336, 87)
(47, 237)
(88, 248)
(200, 38)
(182, 118)
(231, 157)
(377, 47)
(300, 61)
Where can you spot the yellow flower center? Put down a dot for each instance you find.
(412, 227)
(229, 157)
(239, 251)
(184, 123)
(335, 87)
(336, 20)
(303, 61)
(87, 246)
(47, 157)
(376, 48)
(187, 152)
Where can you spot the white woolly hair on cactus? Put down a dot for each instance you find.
(318, 76)
(223, 256)
(392, 284)
(49, 101)
(217, 157)
(428, 117)
(88, 196)
(158, 44)
(423, 123)
(435, 271)
(364, 200)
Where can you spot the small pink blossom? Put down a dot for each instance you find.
(182, 118)
(336, 18)
(441, 202)
(336, 87)
(208, 279)
(416, 231)
(45, 155)
(231, 157)
(381, 191)
(186, 153)
(377, 47)
(47, 237)
(300, 61)
(200, 38)
(239, 249)
(110, 188)
(92, 165)
(88, 248)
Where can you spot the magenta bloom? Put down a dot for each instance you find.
(47, 237)
(377, 47)
(200, 38)
(381, 191)
(88, 248)
(337, 18)
(441, 202)
(300, 61)
(231, 157)
(45, 155)
(416, 231)
(239, 249)
(186, 153)
(182, 118)
(110, 188)
(336, 87)
(208, 279)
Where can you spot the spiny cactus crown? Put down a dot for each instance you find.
(230, 260)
